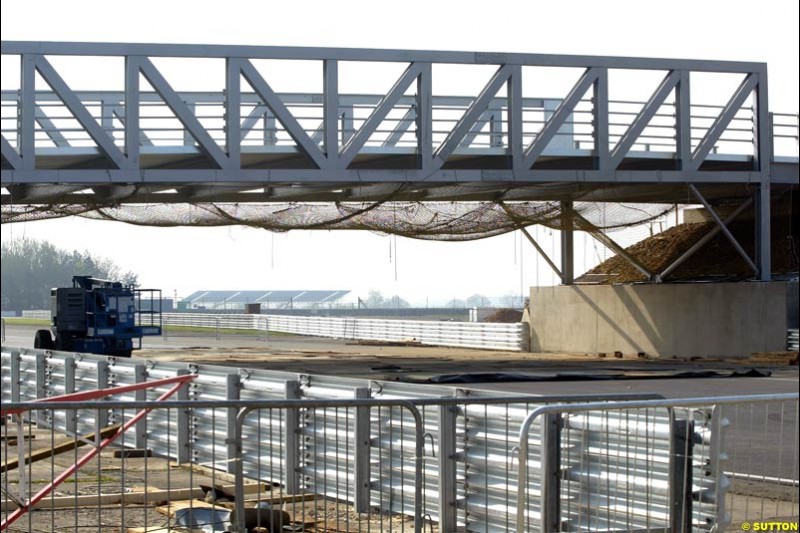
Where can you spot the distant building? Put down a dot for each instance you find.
(167, 305)
(221, 300)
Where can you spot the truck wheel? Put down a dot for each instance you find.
(43, 340)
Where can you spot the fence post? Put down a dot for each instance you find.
(102, 383)
(292, 448)
(362, 453)
(15, 376)
(42, 371)
(716, 457)
(551, 472)
(447, 468)
(183, 432)
(237, 526)
(70, 415)
(233, 387)
(680, 475)
(140, 376)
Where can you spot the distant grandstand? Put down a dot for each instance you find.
(218, 300)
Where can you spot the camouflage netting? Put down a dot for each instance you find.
(451, 221)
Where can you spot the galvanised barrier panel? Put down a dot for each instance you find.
(151, 482)
(36, 313)
(661, 465)
(270, 444)
(6, 373)
(792, 340)
(512, 337)
(614, 469)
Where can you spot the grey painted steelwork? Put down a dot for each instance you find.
(266, 152)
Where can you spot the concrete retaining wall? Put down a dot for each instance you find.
(683, 320)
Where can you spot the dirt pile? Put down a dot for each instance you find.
(716, 260)
(504, 316)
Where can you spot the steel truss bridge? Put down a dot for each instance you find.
(151, 143)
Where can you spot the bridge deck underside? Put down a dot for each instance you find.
(500, 191)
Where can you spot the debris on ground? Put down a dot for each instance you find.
(403, 342)
(774, 358)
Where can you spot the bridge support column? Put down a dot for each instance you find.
(763, 232)
(567, 244)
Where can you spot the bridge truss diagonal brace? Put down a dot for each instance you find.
(11, 155)
(103, 140)
(703, 240)
(589, 78)
(270, 98)
(608, 242)
(724, 228)
(50, 129)
(723, 120)
(470, 116)
(644, 117)
(380, 112)
(184, 114)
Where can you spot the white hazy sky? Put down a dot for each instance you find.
(188, 259)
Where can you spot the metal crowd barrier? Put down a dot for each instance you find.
(102, 495)
(495, 336)
(491, 336)
(353, 455)
(792, 340)
(700, 464)
(468, 474)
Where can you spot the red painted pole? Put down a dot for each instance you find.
(101, 393)
(21, 511)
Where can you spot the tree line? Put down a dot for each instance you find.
(30, 268)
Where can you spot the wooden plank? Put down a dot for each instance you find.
(159, 529)
(61, 447)
(211, 473)
(286, 498)
(174, 506)
(151, 497)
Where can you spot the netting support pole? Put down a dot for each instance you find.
(762, 152)
(567, 244)
(763, 237)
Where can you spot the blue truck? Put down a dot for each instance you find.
(100, 317)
